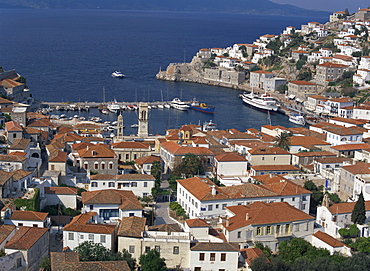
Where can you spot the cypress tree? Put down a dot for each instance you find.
(359, 213)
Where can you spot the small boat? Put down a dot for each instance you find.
(135, 125)
(105, 111)
(202, 107)
(209, 126)
(180, 105)
(167, 106)
(118, 74)
(160, 106)
(297, 119)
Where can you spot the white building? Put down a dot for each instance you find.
(140, 184)
(323, 240)
(28, 219)
(230, 164)
(61, 195)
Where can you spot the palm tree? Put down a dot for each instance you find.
(282, 141)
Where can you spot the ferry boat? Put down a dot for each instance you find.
(297, 119)
(180, 105)
(118, 74)
(262, 102)
(114, 107)
(202, 107)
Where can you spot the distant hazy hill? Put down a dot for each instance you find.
(231, 6)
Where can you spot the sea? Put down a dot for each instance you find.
(69, 55)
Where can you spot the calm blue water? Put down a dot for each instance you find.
(69, 55)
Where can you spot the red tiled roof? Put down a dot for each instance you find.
(275, 168)
(28, 215)
(249, 254)
(197, 222)
(79, 224)
(25, 238)
(331, 241)
(230, 157)
(132, 226)
(147, 160)
(346, 207)
(60, 190)
(130, 145)
(125, 199)
(97, 151)
(302, 83)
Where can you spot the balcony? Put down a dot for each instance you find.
(283, 234)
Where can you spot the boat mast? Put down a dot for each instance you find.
(268, 117)
(103, 95)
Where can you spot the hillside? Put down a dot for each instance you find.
(231, 6)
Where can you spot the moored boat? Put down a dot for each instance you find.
(202, 107)
(118, 74)
(180, 105)
(114, 107)
(297, 119)
(262, 102)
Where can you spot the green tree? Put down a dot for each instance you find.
(156, 171)
(21, 80)
(362, 244)
(190, 165)
(152, 261)
(316, 196)
(45, 264)
(265, 249)
(282, 141)
(352, 231)
(359, 213)
(126, 256)
(283, 88)
(89, 251)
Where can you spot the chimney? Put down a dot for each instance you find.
(213, 190)
(272, 175)
(246, 216)
(227, 222)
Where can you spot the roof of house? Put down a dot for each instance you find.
(314, 154)
(332, 65)
(302, 83)
(147, 159)
(58, 156)
(20, 144)
(259, 213)
(97, 151)
(80, 224)
(346, 207)
(355, 146)
(166, 228)
(196, 222)
(122, 177)
(60, 190)
(306, 141)
(25, 238)
(202, 246)
(130, 145)
(268, 151)
(12, 158)
(5, 231)
(125, 199)
(332, 160)
(131, 226)
(5, 176)
(331, 241)
(28, 215)
(249, 254)
(69, 261)
(280, 185)
(230, 157)
(275, 168)
(358, 168)
(176, 149)
(339, 129)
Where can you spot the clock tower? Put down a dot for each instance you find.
(143, 120)
(120, 129)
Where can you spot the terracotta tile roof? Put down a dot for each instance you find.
(60, 190)
(97, 151)
(122, 177)
(81, 146)
(339, 129)
(268, 151)
(260, 213)
(132, 226)
(5, 176)
(28, 215)
(20, 144)
(93, 139)
(249, 254)
(166, 228)
(18, 153)
(11, 158)
(275, 168)
(30, 130)
(230, 157)
(147, 159)
(347, 147)
(25, 238)
(197, 222)
(306, 141)
(317, 97)
(215, 247)
(261, 71)
(332, 160)
(58, 156)
(346, 207)
(359, 168)
(352, 121)
(9, 83)
(86, 126)
(315, 154)
(41, 123)
(79, 224)
(331, 241)
(130, 145)
(332, 65)
(280, 185)
(20, 173)
(176, 149)
(247, 190)
(307, 132)
(302, 83)
(125, 199)
(5, 231)
(69, 261)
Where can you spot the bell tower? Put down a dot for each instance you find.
(120, 128)
(143, 120)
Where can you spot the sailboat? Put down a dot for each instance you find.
(161, 106)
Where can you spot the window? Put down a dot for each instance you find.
(296, 227)
(131, 249)
(304, 198)
(35, 225)
(110, 165)
(86, 166)
(52, 167)
(131, 214)
(94, 184)
(217, 206)
(147, 249)
(293, 199)
(269, 230)
(224, 206)
(176, 250)
(259, 231)
(20, 224)
(210, 207)
(96, 166)
(157, 248)
(127, 156)
(212, 257)
(102, 238)
(91, 207)
(145, 184)
(239, 234)
(196, 204)
(103, 165)
(134, 184)
(282, 199)
(19, 262)
(223, 257)
(81, 236)
(71, 236)
(111, 184)
(288, 228)
(201, 256)
(91, 236)
(306, 226)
